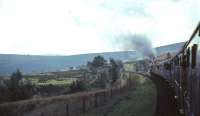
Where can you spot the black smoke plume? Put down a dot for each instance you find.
(138, 43)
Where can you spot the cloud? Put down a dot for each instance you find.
(85, 26)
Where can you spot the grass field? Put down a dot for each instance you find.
(56, 79)
(56, 82)
(141, 101)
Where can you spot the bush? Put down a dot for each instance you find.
(77, 86)
(41, 80)
(116, 66)
(98, 61)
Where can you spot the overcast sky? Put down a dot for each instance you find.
(66, 27)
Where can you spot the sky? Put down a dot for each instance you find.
(67, 27)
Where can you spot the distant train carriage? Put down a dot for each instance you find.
(183, 72)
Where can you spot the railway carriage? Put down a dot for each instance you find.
(183, 72)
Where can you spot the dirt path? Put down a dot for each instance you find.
(166, 105)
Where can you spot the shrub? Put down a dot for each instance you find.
(41, 80)
(78, 85)
(116, 66)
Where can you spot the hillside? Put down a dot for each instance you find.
(36, 64)
(169, 48)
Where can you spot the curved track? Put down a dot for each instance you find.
(166, 104)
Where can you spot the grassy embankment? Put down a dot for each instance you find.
(141, 101)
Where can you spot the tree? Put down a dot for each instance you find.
(98, 61)
(16, 76)
(78, 85)
(115, 68)
(168, 55)
(14, 85)
(17, 89)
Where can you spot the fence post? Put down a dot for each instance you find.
(104, 96)
(96, 100)
(127, 83)
(42, 114)
(67, 110)
(130, 82)
(120, 88)
(55, 113)
(111, 93)
(84, 104)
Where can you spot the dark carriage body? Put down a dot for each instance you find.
(183, 74)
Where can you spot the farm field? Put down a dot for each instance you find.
(52, 85)
(53, 81)
(140, 101)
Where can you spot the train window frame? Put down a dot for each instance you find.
(194, 55)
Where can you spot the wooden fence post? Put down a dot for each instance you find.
(111, 93)
(96, 100)
(120, 88)
(67, 110)
(104, 96)
(55, 113)
(42, 114)
(84, 104)
(129, 83)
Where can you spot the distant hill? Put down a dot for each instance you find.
(169, 48)
(35, 64)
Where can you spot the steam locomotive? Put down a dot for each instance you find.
(183, 73)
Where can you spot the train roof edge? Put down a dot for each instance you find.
(187, 42)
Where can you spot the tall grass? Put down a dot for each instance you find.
(140, 102)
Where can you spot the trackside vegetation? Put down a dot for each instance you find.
(140, 101)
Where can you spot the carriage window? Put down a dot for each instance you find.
(188, 57)
(177, 60)
(180, 60)
(194, 54)
(199, 31)
(167, 66)
(158, 67)
(184, 60)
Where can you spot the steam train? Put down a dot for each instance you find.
(183, 73)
